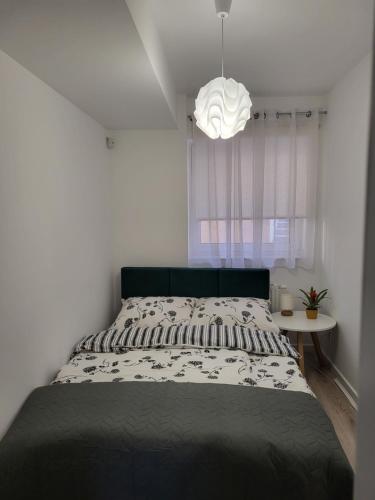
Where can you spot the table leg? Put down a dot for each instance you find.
(321, 358)
(301, 352)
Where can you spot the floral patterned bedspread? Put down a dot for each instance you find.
(220, 366)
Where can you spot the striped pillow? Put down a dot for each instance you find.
(250, 340)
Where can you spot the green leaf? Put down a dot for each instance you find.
(305, 294)
(321, 295)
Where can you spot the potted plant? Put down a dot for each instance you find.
(312, 301)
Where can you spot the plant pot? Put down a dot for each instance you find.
(312, 313)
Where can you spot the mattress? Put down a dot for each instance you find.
(197, 365)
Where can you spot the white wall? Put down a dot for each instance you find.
(342, 212)
(149, 198)
(365, 478)
(55, 231)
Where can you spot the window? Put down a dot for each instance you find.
(242, 231)
(252, 198)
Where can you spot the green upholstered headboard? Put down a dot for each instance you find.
(194, 282)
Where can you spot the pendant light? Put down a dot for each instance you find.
(222, 107)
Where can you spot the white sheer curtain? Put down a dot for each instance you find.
(252, 199)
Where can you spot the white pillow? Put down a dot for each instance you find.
(234, 311)
(154, 311)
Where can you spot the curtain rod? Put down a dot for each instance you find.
(256, 115)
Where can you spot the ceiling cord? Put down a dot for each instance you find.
(222, 46)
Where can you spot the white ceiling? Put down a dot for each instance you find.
(275, 47)
(91, 52)
(106, 56)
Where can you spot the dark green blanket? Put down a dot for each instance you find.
(171, 441)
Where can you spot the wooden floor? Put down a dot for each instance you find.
(340, 411)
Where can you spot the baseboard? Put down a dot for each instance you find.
(345, 391)
(344, 385)
(340, 380)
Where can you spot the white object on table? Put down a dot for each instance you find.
(286, 302)
(301, 324)
(276, 292)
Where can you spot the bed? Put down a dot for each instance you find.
(178, 400)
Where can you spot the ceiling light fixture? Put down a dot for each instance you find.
(222, 107)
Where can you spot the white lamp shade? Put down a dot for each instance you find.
(286, 302)
(222, 108)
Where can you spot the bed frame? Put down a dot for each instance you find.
(194, 282)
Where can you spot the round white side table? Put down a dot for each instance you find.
(300, 324)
